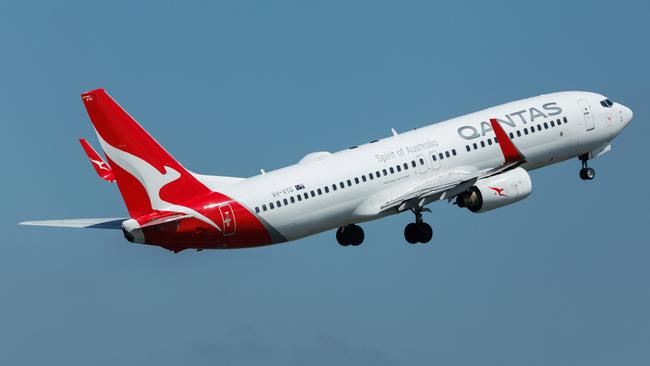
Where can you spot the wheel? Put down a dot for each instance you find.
(587, 173)
(342, 236)
(356, 235)
(425, 232)
(350, 235)
(411, 233)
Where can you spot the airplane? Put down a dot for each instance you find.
(479, 161)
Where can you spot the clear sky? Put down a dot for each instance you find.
(561, 278)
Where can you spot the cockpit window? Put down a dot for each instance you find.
(606, 103)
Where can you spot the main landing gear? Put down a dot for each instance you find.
(350, 235)
(418, 231)
(586, 173)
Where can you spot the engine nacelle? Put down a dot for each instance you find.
(496, 191)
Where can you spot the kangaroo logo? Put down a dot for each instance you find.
(499, 191)
(152, 180)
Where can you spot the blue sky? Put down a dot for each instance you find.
(228, 88)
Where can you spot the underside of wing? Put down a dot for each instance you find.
(450, 184)
(104, 223)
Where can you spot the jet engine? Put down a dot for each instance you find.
(496, 191)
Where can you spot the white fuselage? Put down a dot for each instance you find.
(466, 143)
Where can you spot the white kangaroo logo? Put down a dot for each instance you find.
(100, 164)
(151, 179)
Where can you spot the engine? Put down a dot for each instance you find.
(496, 191)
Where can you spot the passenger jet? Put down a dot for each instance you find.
(479, 161)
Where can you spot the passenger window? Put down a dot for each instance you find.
(413, 163)
(490, 142)
(320, 191)
(286, 202)
(565, 120)
(532, 129)
(377, 174)
(447, 153)
(435, 158)
(349, 183)
(271, 206)
(306, 196)
(278, 203)
(392, 171)
(264, 208)
(421, 161)
(385, 172)
(371, 176)
(342, 185)
(475, 146)
(482, 143)
(468, 148)
(299, 197)
(363, 178)
(518, 133)
(356, 180)
(559, 121)
(496, 141)
(545, 126)
(526, 131)
(406, 166)
(257, 209)
(399, 168)
(327, 189)
(552, 123)
(293, 200)
(313, 193)
(512, 136)
(453, 152)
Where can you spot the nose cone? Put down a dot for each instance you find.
(626, 115)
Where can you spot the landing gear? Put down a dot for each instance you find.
(586, 173)
(418, 231)
(350, 235)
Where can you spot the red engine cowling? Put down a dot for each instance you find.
(496, 191)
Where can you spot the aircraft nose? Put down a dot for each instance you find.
(626, 114)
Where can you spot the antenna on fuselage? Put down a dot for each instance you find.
(394, 132)
(262, 171)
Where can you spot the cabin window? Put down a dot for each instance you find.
(435, 158)
(453, 152)
(299, 197)
(399, 168)
(392, 171)
(320, 191)
(327, 189)
(264, 208)
(447, 153)
(413, 164)
(468, 148)
(293, 200)
(363, 178)
(286, 202)
(257, 209)
(271, 206)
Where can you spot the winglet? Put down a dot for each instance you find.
(510, 152)
(101, 167)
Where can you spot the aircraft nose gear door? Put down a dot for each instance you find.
(586, 111)
(228, 220)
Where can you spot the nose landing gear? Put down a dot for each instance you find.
(350, 235)
(586, 173)
(418, 231)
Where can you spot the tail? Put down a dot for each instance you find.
(148, 177)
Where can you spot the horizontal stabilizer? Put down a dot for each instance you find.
(101, 167)
(107, 223)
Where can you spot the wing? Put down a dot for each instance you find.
(108, 223)
(101, 167)
(451, 183)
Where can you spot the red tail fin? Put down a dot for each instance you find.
(147, 176)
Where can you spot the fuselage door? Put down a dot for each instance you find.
(434, 160)
(228, 220)
(586, 111)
